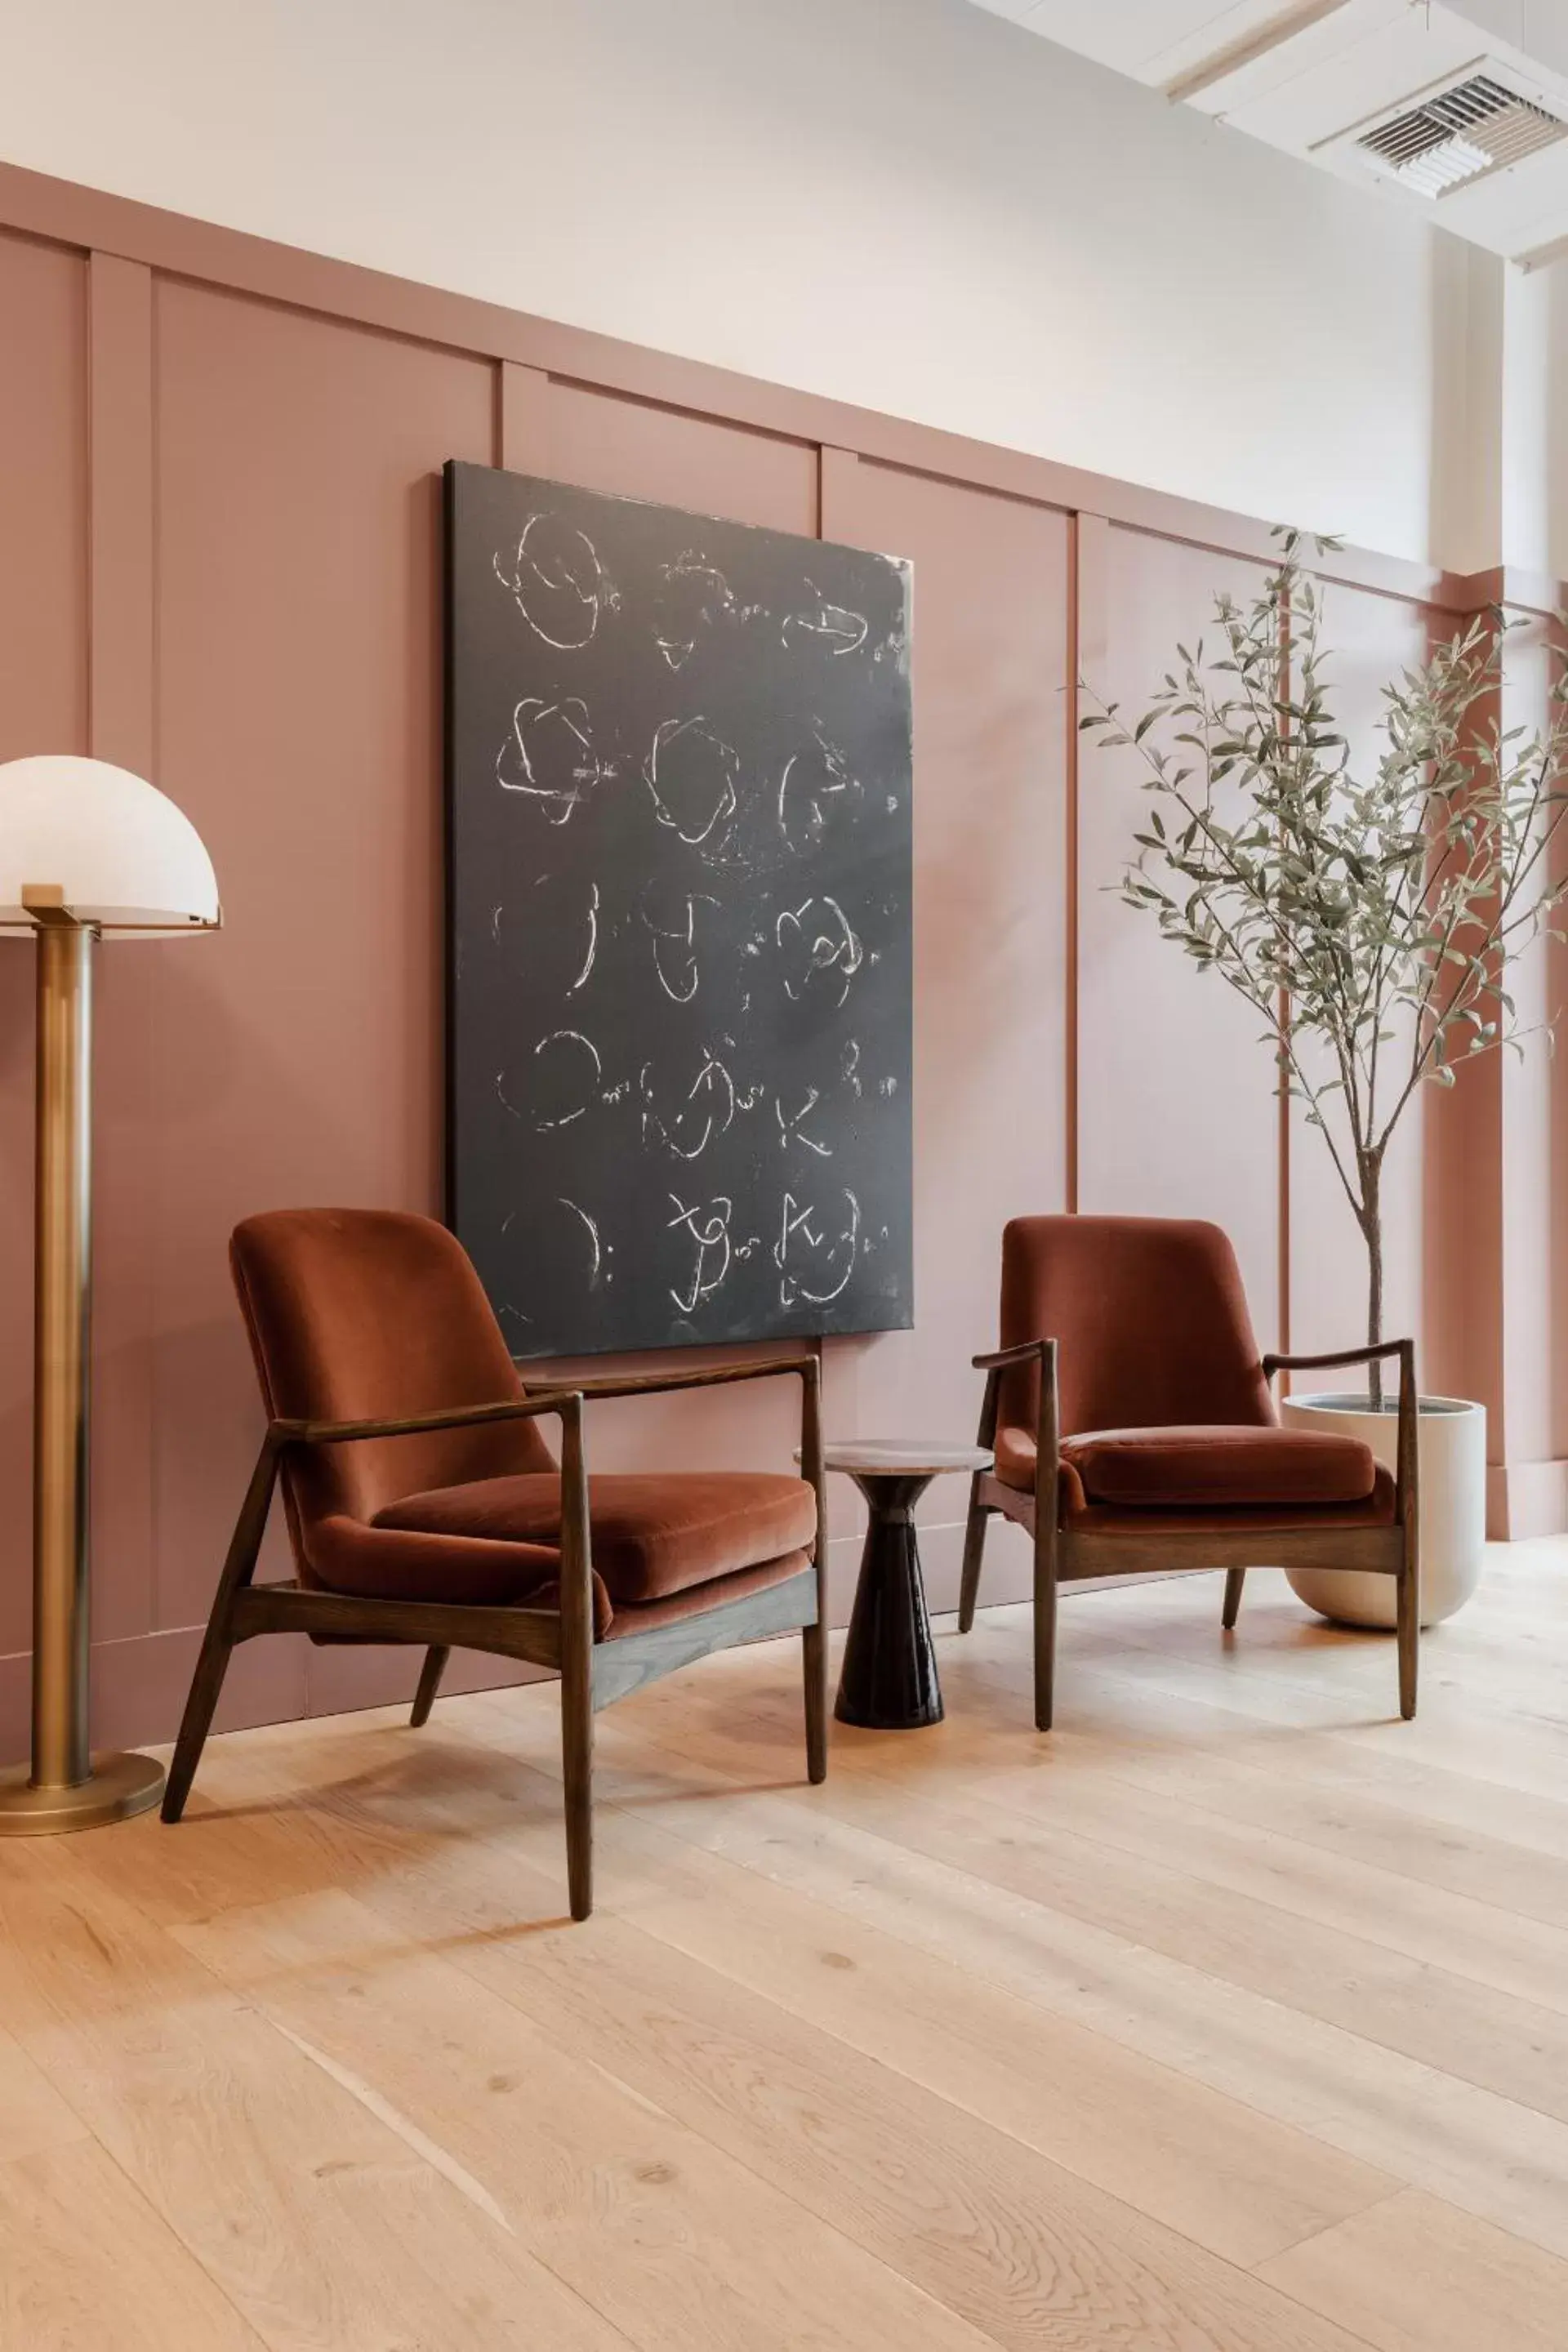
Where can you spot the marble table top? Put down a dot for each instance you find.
(893, 1457)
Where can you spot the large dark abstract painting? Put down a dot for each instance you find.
(679, 801)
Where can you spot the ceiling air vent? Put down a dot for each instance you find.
(1456, 138)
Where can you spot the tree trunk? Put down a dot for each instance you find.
(1372, 1227)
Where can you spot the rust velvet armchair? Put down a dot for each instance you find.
(424, 1505)
(1134, 1429)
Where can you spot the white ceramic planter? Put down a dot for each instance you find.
(1451, 1437)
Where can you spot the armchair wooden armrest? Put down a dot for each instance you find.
(1403, 1349)
(1001, 1358)
(464, 1416)
(704, 1376)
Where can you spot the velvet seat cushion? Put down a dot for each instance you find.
(652, 1534)
(1204, 1465)
(1082, 1518)
(396, 1564)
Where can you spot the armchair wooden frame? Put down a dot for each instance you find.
(592, 1672)
(1065, 1555)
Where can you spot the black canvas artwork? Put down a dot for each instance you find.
(679, 1010)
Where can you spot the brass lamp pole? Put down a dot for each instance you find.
(136, 867)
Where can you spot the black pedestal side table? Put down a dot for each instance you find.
(889, 1680)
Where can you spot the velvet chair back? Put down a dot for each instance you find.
(1150, 1317)
(370, 1314)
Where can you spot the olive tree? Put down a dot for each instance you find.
(1366, 903)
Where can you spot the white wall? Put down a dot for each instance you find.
(1534, 436)
(908, 204)
(1469, 408)
(1536, 27)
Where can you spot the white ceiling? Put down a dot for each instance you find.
(1301, 74)
(1155, 40)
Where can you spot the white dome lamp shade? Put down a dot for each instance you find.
(118, 852)
(88, 851)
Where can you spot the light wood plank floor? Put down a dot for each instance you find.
(1233, 2015)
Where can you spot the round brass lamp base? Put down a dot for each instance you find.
(118, 1787)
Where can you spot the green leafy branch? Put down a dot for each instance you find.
(1367, 912)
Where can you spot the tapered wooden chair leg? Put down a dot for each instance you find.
(1235, 1577)
(813, 1665)
(1044, 1626)
(196, 1722)
(430, 1674)
(206, 1683)
(1407, 1635)
(577, 1754)
(576, 1664)
(973, 1551)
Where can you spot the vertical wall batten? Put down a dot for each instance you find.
(1086, 652)
(524, 436)
(122, 726)
(120, 526)
(837, 471)
(1282, 1077)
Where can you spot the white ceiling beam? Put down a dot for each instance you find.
(1542, 256)
(1251, 47)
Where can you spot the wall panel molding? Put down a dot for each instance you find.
(122, 726)
(523, 440)
(43, 707)
(172, 243)
(120, 474)
(836, 471)
(1088, 640)
(279, 559)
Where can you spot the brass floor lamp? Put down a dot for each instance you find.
(87, 851)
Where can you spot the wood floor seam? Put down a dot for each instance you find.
(160, 2227)
(983, 1796)
(1310, 2237)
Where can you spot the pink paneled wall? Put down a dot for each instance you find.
(990, 719)
(219, 561)
(1178, 1115)
(1371, 640)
